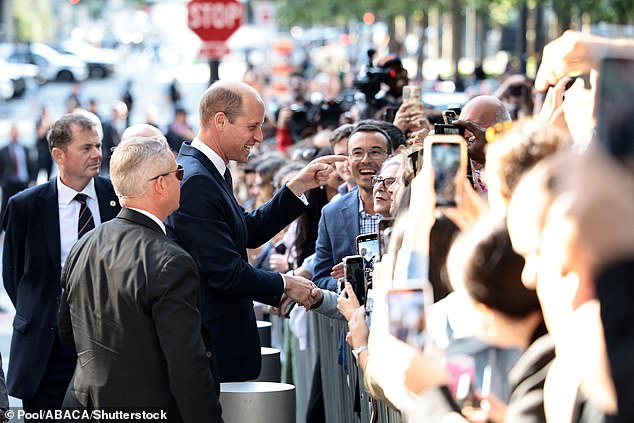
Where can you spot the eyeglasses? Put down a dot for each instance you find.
(179, 173)
(387, 182)
(374, 154)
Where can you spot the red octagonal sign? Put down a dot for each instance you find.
(214, 21)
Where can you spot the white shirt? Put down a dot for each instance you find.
(151, 216)
(69, 214)
(221, 166)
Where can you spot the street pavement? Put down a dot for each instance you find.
(150, 80)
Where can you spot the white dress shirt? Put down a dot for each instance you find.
(151, 216)
(69, 214)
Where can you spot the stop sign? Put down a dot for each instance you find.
(214, 20)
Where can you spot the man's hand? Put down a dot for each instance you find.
(299, 289)
(410, 117)
(337, 271)
(347, 302)
(316, 173)
(278, 263)
(317, 297)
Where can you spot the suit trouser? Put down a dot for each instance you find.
(52, 388)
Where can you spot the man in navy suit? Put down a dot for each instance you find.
(216, 231)
(353, 214)
(42, 224)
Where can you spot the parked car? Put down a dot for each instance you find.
(6, 88)
(100, 61)
(53, 65)
(22, 76)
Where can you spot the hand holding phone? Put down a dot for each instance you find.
(353, 274)
(448, 157)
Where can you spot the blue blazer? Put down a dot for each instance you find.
(212, 227)
(336, 238)
(31, 273)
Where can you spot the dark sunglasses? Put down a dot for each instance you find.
(179, 173)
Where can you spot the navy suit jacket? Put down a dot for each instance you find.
(31, 273)
(336, 238)
(212, 227)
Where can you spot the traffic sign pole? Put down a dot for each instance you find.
(214, 21)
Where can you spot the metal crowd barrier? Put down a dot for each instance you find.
(338, 385)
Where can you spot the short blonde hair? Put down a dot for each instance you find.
(135, 160)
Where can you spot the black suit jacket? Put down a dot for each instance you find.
(31, 272)
(216, 231)
(130, 304)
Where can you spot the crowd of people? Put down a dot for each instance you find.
(506, 300)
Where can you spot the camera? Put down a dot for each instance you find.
(370, 78)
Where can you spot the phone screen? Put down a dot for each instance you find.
(368, 248)
(445, 159)
(406, 313)
(353, 274)
(615, 126)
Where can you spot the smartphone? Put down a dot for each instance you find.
(406, 316)
(615, 108)
(289, 307)
(449, 116)
(448, 129)
(385, 229)
(415, 159)
(448, 157)
(280, 248)
(368, 248)
(412, 94)
(353, 274)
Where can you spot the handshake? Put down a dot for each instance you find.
(300, 290)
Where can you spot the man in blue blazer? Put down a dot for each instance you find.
(42, 224)
(353, 214)
(212, 227)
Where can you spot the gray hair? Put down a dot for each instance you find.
(392, 161)
(135, 160)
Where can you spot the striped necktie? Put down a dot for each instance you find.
(85, 222)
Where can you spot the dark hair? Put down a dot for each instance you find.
(395, 135)
(269, 166)
(342, 132)
(61, 134)
(441, 237)
(490, 270)
(369, 126)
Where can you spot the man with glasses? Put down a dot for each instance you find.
(216, 231)
(353, 214)
(42, 223)
(131, 295)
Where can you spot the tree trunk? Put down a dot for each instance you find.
(424, 23)
(521, 46)
(456, 38)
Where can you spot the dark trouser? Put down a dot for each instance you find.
(51, 390)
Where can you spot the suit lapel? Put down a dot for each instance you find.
(188, 150)
(49, 215)
(107, 199)
(350, 213)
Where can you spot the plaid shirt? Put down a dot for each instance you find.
(368, 223)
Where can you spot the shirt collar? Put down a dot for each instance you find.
(211, 155)
(151, 216)
(67, 194)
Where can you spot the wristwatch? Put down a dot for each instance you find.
(357, 351)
